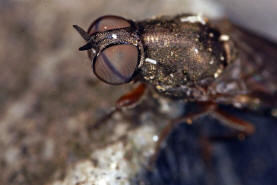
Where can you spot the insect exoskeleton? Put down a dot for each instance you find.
(175, 55)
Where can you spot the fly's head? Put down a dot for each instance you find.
(114, 49)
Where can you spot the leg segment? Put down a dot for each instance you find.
(204, 108)
(233, 122)
(128, 100)
(189, 118)
(131, 98)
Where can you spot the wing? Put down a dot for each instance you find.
(256, 67)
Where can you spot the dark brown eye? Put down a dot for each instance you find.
(116, 64)
(108, 23)
(105, 23)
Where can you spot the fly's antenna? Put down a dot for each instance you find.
(82, 32)
(87, 46)
(85, 36)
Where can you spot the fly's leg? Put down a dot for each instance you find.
(243, 127)
(188, 118)
(206, 150)
(233, 122)
(131, 98)
(128, 100)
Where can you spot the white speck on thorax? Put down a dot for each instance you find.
(194, 19)
(224, 38)
(152, 61)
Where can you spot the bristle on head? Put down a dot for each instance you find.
(82, 32)
(88, 46)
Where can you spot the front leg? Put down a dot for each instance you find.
(131, 98)
(128, 100)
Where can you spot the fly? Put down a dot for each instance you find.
(185, 57)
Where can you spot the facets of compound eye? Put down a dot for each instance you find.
(116, 64)
(105, 23)
(108, 23)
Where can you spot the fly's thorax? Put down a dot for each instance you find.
(182, 55)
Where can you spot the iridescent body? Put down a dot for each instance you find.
(185, 57)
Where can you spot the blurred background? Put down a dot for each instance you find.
(48, 92)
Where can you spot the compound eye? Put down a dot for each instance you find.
(109, 22)
(116, 64)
